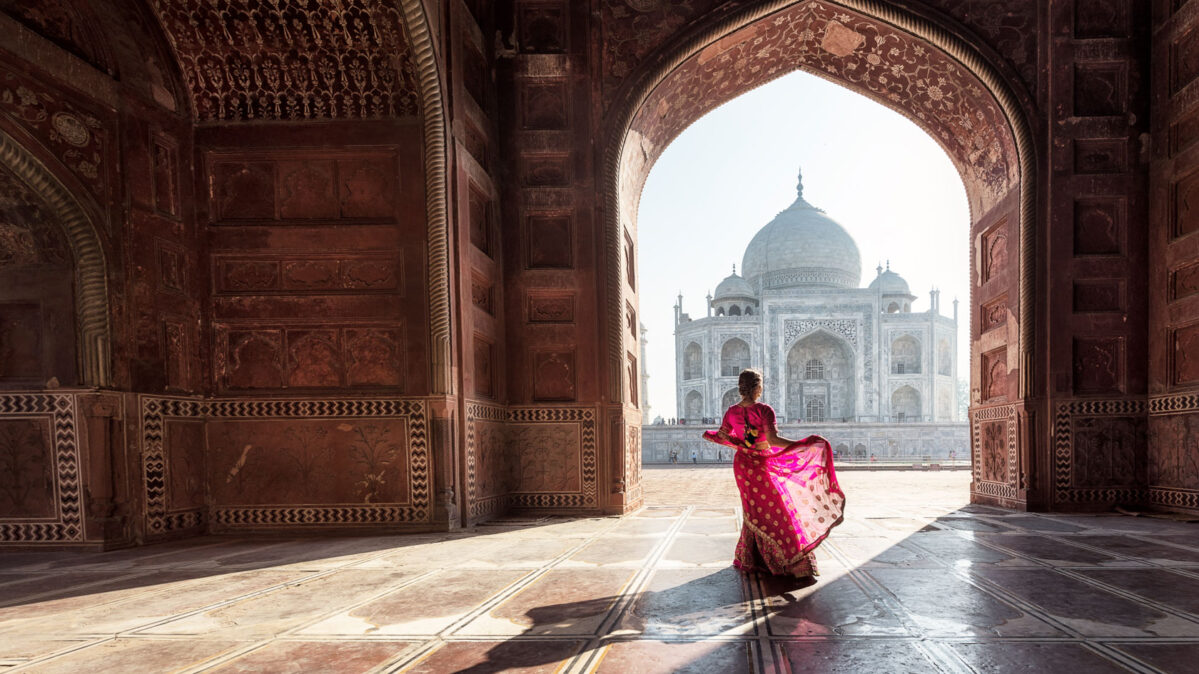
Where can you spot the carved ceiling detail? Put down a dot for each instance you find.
(292, 59)
(864, 54)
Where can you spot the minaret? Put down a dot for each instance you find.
(709, 304)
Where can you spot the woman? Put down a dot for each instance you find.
(789, 493)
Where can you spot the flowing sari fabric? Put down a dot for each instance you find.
(789, 495)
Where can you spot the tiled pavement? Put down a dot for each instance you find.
(915, 580)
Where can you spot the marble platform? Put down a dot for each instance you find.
(914, 580)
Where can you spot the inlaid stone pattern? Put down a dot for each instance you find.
(41, 491)
(285, 463)
(292, 60)
(80, 136)
(545, 443)
(1100, 451)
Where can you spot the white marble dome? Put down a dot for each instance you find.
(802, 247)
(734, 286)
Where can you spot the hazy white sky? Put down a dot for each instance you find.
(885, 180)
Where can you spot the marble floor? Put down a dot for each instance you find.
(915, 580)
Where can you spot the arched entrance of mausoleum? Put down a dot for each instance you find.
(909, 64)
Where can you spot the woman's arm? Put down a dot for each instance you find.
(777, 440)
(772, 432)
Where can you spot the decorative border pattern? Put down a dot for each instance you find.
(795, 328)
(1063, 450)
(586, 418)
(1173, 497)
(939, 37)
(62, 412)
(159, 521)
(91, 275)
(1174, 403)
(480, 509)
(155, 412)
(1011, 489)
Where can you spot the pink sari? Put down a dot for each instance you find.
(789, 495)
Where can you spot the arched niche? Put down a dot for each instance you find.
(905, 404)
(48, 203)
(905, 355)
(693, 405)
(835, 388)
(734, 357)
(693, 361)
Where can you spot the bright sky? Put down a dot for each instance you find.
(871, 169)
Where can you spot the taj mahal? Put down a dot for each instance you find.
(835, 354)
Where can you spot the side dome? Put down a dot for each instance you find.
(802, 247)
(890, 283)
(734, 286)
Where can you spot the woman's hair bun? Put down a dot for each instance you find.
(749, 380)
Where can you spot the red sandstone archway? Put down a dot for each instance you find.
(906, 63)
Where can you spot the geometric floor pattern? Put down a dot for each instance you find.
(915, 580)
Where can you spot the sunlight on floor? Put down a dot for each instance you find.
(914, 580)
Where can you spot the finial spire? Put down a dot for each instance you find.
(799, 184)
(734, 269)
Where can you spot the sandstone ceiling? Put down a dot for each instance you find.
(291, 59)
(71, 25)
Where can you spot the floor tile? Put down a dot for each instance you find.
(834, 605)
(942, 604)
(1010, 658)
(1141, 549)
(1172, 589)
(565, 601)
(876, 657)
(138, 656)
(304, 657)
(1166, 657)
(271, 613)
(483, 657)
(954, 549)
(691, 602)
(139, 611)
(661, 657)
(617, 550)
(696, 550)
(1049, 550)
(426, 606)
(1083, 607)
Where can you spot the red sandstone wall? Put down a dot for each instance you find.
(1173, 453)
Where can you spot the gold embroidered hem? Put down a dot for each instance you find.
(758, 552)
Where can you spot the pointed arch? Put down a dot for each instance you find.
(631, 153)
(91, 266)
(433, 119)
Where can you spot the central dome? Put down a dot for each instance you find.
(802, 247)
